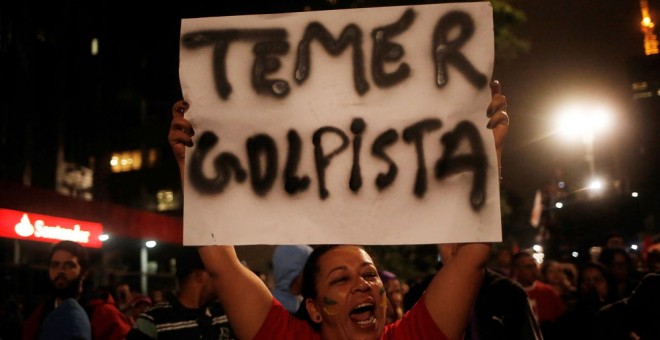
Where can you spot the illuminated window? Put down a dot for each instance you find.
(152, 157)
(166, 200)
(132, 160)
(643, 95)
(639, 86)
(95, 46)
(126, 161)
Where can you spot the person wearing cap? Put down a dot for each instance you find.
(288, 263)
(192, 313)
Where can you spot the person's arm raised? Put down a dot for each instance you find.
(452, 292)
(244, 297)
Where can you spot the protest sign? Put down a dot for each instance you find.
(363, 126)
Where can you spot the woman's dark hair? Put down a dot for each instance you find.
(309, 280)
(607, 256)
(611, 286)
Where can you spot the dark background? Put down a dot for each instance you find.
(58, 100)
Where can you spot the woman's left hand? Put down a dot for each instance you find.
(498, 119)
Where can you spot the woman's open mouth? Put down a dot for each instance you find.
(363, 314)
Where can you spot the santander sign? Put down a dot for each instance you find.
(28, 226)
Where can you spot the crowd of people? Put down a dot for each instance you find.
(337, 292)
(606, 297)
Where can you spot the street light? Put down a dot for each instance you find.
(585, 121)
(144, 262)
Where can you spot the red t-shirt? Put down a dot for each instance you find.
(545, 301)
(416, 324)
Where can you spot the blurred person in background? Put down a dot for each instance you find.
(596, 289)
(546, 303)
(193, 312)
(636, 316)
(621, 266)
(68, 270)
(61, 316)
(395, 294)
(11, 317)
(652, 255)
(156, 296)
(554, 273)
(502, 260)
(614, 239)
(124, 295)
(137, 306)
(502, 310)
(288, 263)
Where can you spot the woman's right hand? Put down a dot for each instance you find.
(244, 296)
(181, 133)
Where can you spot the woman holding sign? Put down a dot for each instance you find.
(344, 297)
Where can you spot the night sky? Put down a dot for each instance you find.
(578, 50)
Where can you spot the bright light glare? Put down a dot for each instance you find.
(104, 237)
(580, 120)
(633, 246)
(150, 244)
(635, 194)
(539, 257)
(595, 184)
(575, 254)
(559, 205)
(600, 118)
(646, 22)
(571, 122)
(538, 248)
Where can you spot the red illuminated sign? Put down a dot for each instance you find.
(28, 226)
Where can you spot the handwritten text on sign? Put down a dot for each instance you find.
(350, 126)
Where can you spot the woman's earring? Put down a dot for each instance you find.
(318, 318)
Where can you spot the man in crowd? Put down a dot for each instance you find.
(192, 313)
(63, 312)
(502, 309)
(546, 302)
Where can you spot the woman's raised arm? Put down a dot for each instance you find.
(452, 292)
(244, 297)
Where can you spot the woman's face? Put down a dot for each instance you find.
(554, 274)
(351, 298)
(593, 280)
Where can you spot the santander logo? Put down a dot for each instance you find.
(24, 227)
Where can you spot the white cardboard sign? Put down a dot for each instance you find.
(364, 126)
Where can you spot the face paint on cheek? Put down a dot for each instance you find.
(330, 306)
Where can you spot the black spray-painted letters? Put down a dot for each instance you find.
(271, 44)
(264, 167)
